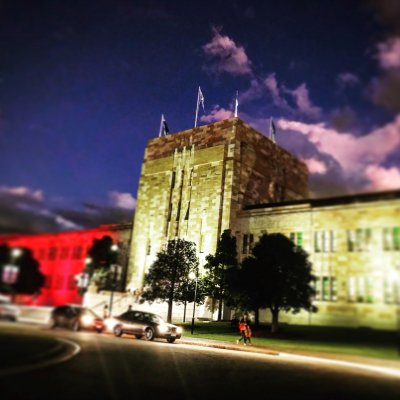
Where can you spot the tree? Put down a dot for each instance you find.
(167, 279)
(29, 279)
(99, 259)
(276, 276)
(224, 259)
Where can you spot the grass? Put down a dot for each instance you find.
(358, 342)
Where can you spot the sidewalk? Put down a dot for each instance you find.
(373, 362)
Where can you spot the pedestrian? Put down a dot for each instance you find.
(242, 329)
(129, 308)
(106, 312)
(248, 333)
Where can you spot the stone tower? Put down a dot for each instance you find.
(193, 184)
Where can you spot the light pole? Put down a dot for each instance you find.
(192, 276)
(115, 274)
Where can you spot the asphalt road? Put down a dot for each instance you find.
(127, 368)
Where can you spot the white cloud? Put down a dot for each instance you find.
(354, 154)
(23, 192)
(122, 200)
(217, 114)
(389, 53)
(227, 56)
(303, 102)
(383, 178)
(315, 166)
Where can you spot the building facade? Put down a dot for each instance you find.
(196, 183)
(61, 257)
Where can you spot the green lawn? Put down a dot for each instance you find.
(360, 342)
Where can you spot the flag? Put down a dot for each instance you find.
(236, 105)
(272, 131)
(163, 127)
(201, 98)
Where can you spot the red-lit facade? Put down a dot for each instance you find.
(61, 257)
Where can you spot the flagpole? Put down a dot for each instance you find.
(197, 107)
(161, 125)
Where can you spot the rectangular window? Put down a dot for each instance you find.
(351, 289)
(396, 238)
(299, 239)
(292, 236)
(350, 241)
(251, 242)
(317, 242)
(333, 241)
(71, 282)
(325, 289)
(318, 288)
(369, 290)
(333, 289)
(386, 238)
(360, 289)
(325, 241)
(52, 253)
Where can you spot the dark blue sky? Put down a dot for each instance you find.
(83, 85)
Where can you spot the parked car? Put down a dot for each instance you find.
(76, 318)
(8, 310)
(145, 325)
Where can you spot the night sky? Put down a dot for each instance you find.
(83, 85)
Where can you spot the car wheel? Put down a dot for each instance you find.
(138, 336)
(149, 334)
(171, 340)
(76, 326)
(118, 331)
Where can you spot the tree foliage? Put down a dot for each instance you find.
(217, 267)
(167, 278)
(101, 256)
(29, 279)
(276, 276)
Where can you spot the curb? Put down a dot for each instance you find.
(63, 351)
(229, 346)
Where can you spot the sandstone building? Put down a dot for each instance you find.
(198, 182)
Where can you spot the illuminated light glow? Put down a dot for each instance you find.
(110, 323)
(192, 275)
(88, 260)
(163, 328)
(313, 360)
(179, 329)
(16, 252)
(87, 320)
(114, 247)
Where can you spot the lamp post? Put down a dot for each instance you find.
(115, 274)
(192, 276)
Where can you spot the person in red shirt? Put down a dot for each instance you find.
(242, 329)
(248, 333)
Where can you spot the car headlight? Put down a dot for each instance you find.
(110, 323)
(87, 320)
(179, 329)
(163, 328)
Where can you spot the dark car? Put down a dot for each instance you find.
(76, 318)
(146, 325)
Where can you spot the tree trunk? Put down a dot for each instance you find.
(184, 312)
(220, 310)
(275, 320)
(169, 316)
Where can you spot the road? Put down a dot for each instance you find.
(127, 368)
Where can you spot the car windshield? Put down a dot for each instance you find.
(156, 318)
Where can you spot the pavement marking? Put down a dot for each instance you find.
(373, 368)
(56, 360)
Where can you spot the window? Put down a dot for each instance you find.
(317, 287)
(71, 282)
(251, 242)
(391, 238)
(52, 253)
(359, 239)
(296, 238)
(391, 291)
(324, 241)
(361, 289)
(326, 288)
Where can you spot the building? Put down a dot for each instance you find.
(62, 257)
(198, 182)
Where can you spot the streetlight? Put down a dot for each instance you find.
(116, 271)
(11, 271)
(192, 276)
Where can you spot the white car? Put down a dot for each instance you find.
(8, 310)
